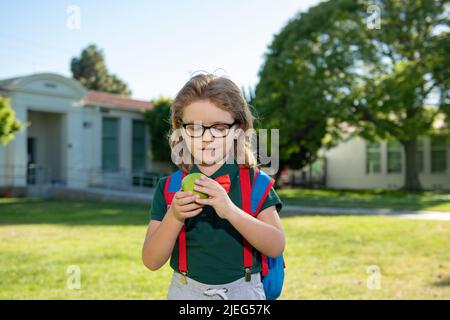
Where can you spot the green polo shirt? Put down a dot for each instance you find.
(214, 246)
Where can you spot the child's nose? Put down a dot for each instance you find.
(207, 136)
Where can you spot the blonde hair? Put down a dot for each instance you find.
(224, 94)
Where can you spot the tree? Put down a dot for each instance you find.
(9, 125)
(90, 69)
(158, 122)
(329, 73)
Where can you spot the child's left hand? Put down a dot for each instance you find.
(218, 197)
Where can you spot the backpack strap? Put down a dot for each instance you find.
(252, 201)
(173, 184)
(263, 183)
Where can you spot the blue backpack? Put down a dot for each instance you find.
(272, 274)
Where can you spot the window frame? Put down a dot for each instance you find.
(143, 141)
(442, 148)
(373, 147)
(394, 150)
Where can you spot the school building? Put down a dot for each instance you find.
(75, 138)
(359, 164)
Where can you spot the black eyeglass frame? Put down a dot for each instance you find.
(230, 125)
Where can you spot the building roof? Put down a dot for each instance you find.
(22, 83)
(7, 82)
(89, 97)
(115, 100)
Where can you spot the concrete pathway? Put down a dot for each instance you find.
(146, 195)
(420, 215)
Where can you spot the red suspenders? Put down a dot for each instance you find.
(246, 206)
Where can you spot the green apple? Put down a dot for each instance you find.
(188, 184)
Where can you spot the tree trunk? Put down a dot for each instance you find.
(411, 173)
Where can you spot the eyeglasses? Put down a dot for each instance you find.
(218, 130)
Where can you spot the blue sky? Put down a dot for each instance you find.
(152, 45)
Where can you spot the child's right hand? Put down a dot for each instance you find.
(184, 206)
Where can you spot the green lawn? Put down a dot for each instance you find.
(376, 198)
(326, 257)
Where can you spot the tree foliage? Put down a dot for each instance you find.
(158, 122)
(90, 69)
(9, 125)
(330, 73)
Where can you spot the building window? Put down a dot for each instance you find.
(419, 156)
(438, 154)
(394, 156)
(110, 144)
(373, 156)
(138, 146)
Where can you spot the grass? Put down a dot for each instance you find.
(326, 256)
(376, 199)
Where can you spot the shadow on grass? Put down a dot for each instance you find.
(370, 199)
(70, 212)
(290, 214)
(445, 282)
(73, 212)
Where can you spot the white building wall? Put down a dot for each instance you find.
(346, 168)
(125, 142)
(46, 130)
(6, 157)
(70, 145)
(16, 150)
(93, 138)
(76, 150)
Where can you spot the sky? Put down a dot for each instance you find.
(154, 46)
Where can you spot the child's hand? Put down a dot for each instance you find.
(183, 205)
(218, 197)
